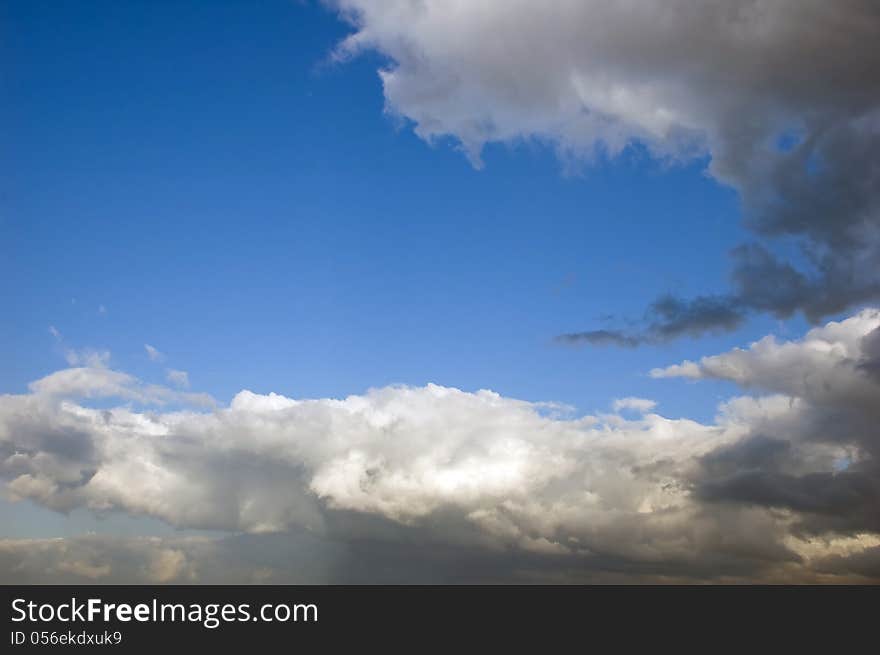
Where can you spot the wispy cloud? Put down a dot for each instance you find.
(641, 405)
(153, 353)
(87, 357)
(178, 378)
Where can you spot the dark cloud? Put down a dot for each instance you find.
(754, 453)
(599, 338)
(673, 317)
(776, 474)
(823, 468)
(838, 232)
(865, 563)
(764, 283)
(668, 318)
(870, 359)
(390, 554)
(847, 501)
(761, 283)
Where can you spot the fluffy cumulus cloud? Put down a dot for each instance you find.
(781, 96)
(830, 474)
(437, 483)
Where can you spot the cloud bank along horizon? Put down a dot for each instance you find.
(781, 96)
(782, 485)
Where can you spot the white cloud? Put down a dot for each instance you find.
(687, 369)
(401, 453)
(590, 73)
(166, 565)
(87, 357)
(641, 405)
(153, 353)
(477, 468)
(101, 382)
(817, 367)
(178, 378)
(55, 332)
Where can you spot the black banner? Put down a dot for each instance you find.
(134, 619)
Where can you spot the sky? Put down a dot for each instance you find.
(440, 291)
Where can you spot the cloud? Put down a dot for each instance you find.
(101, 382)
(600, 338)
(267, 463)
(470, 476)
(827, 364)
(781, 98)
(304, 558)
(641, 405)
(870, 361)
(87, 357)
(821, 460)
(178, 378)
(666, 319)
(154, 353)
(91, 559)
(56, 334)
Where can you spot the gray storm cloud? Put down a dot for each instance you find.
(783, 96)
(447, 482)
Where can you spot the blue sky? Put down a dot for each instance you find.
(234, 198)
